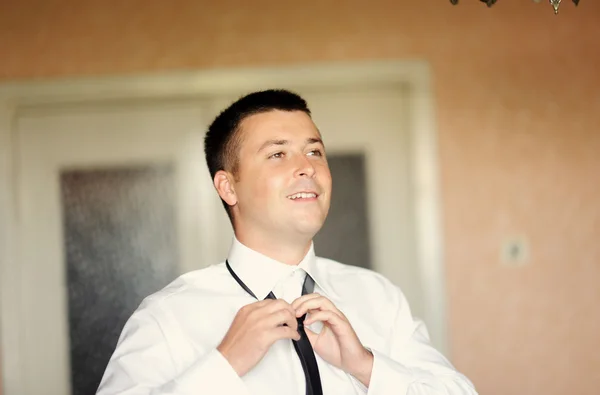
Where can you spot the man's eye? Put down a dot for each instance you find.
(316, 152)
(276, 155)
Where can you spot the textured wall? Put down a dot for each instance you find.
(518, 113)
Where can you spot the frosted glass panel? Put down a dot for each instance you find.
(345, 235)
(121, 245)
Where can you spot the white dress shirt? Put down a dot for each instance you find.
(168, 346)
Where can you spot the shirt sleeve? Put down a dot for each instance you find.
(412, 366)
(147, 361)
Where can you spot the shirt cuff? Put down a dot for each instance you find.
(211, 375)
(360, 386)
(389, 376)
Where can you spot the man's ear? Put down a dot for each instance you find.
(223, 182)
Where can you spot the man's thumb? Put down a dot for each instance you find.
(312, 336)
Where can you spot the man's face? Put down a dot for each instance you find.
(283, 184)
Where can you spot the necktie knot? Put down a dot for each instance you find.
(301, 321)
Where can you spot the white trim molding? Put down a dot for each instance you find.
(415, 75)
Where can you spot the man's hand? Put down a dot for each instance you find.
(254, 329)
(337, 343)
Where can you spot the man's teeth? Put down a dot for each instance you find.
(302, 195)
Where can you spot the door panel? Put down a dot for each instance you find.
(109, 212)
(120, 235)
(372, 122)
(345, 235)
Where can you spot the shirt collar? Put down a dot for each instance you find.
(261, 273)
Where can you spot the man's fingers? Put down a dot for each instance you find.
(272, 305)
(256, 305)
(285, 332)
(290, 320)
(279, 317)
(312, 336)
(304, 298)
(326, 316)
(319, 303)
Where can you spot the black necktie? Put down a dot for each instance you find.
(303, 347)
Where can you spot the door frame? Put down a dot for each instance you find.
(414, 75)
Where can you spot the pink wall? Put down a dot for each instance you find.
(518, 114)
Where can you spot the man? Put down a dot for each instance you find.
(274, 318)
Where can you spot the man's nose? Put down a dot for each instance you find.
(305, 168)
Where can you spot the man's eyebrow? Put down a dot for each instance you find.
(314, 140)
(269, 143)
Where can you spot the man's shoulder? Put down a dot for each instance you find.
(363, 294)
(333, 268)
(345, 278)
(192, 287)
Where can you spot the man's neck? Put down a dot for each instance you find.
(282, 250)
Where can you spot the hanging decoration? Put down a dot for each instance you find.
(554, 3)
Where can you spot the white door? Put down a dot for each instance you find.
(371, 123)
(137, 150)
(365, 133)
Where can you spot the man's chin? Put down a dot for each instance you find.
(308, 228)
